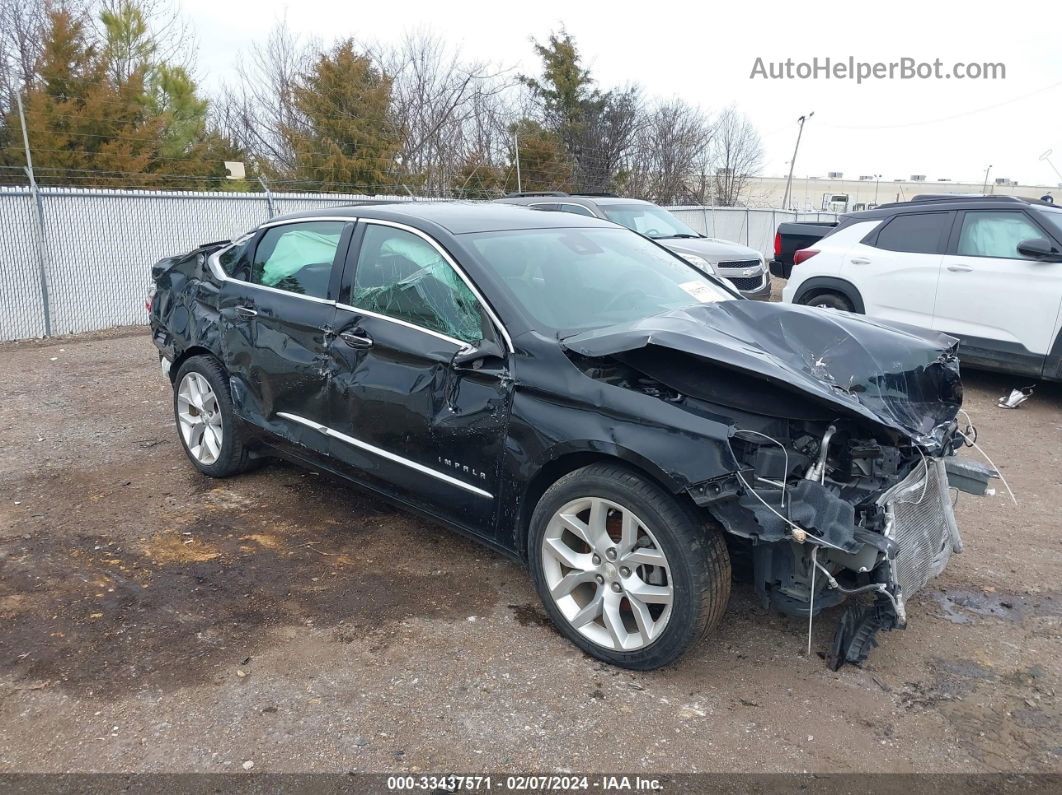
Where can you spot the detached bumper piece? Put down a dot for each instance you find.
(919, 518)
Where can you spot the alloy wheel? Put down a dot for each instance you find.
(199, 416)
(607, 574)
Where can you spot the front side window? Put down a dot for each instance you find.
(568, 279)
(995, 233)
(920, 233)
(648, 220)
(1053, 218)
(402, 276)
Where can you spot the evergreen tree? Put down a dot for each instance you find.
(347, 135)
(108, 113)
(595, 128)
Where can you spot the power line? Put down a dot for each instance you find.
(959, 115)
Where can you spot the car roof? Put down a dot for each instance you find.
(565, 198)
(456, 217)
(943, 203)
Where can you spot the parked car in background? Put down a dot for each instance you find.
(987, 270)
(583, 400)
(742, 266)
(791, 237)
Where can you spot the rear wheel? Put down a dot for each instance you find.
(625, 571)
(829, 300)
(210, 431)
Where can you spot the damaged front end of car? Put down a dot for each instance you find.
(842, 439)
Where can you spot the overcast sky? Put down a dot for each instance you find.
(704, 53)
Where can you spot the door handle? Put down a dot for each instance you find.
(959, 268)
(859, 261)
(246, 311)
(356, 340)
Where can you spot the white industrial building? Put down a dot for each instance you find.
(832, 192)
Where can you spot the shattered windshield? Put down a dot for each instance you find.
(569, 280)
(648, 220)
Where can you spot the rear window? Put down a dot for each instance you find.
(918, 233)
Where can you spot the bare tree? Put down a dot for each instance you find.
(260, 110)
(671, 148)
(737, 155)
(606, 137)
(443, 105)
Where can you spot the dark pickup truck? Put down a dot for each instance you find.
(793, 236)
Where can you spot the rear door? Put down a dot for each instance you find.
(404, 417)
(277, 307)
(896, 266)
(1003, 305)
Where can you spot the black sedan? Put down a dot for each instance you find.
(584, 400)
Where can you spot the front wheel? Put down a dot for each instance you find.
(625, 571)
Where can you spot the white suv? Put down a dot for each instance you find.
(987, 270)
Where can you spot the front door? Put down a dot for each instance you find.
(405, 416)
(277, 307)
(1001, 304)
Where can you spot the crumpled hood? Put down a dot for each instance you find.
(711, 249)
(901, 377)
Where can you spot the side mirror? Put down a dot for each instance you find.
(1040, 248)
(474, 356)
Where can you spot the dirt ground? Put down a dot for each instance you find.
(154, 619)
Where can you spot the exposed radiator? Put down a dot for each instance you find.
(920, 519)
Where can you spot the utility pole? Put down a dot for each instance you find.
(789, 181)
(877, 181)
(1047, 156)
(42, 241)
(516, 143)
(984, 188)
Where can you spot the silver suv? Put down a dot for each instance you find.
(744, 267)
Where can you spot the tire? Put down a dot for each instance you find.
(232, 456)
(829, 300)
(697, 567)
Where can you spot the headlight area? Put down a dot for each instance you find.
(698, 262)
(824, 513)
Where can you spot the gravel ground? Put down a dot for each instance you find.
(156, 620)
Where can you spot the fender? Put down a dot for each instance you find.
(833, 284)
(606, 449)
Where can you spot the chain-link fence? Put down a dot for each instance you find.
(89, 269)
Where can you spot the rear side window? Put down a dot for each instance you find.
(920, 233)
(990, 233)
(576, 209)
(235, 258)
(297, 258)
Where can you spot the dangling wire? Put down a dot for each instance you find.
(973, 443)
(811, 601)
(785, 452)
